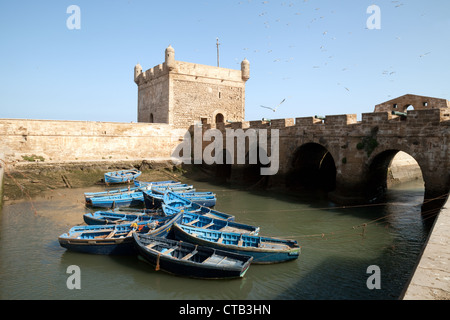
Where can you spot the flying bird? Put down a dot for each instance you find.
(274, 109)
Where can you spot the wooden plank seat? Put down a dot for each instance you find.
(111, 234)
(151, 245)
(168, 251)
(208, 225)
(189, 255)
(192, 222)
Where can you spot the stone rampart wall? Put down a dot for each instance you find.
(86, 140)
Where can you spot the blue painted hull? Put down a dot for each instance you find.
(94, 239)
(129, 198)
(122, 176)
(89, 195)
(145, 183)
(154, 200)
(175, 201)
(264, 250)
(138, 185)
(123, 200)
(109, 217)
(208, 223)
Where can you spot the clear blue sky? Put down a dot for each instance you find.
(316, 54)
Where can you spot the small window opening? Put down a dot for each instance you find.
(409, 107)
(219, 118)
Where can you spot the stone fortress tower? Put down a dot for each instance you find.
(182, 93)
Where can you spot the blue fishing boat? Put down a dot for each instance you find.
(264, 250)
(132, 199)
(185, 259)
(128, 199)
(175, 207)
(122, 176)
(154, 198)
(138, 183)
(114, 239)
(111, 217)
(173, 200)
(88, 195)
(201, 221)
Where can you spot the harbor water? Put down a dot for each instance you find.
(338, 245)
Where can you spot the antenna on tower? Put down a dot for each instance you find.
(217, 44)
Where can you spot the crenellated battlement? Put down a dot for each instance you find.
(141, 77)
(356, 153)
(181, 93)
(412, 118)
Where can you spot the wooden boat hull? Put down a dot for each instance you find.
(110, 217)
(123, 200)
(154, 200)
(138, 185)
(112, 247)
(271, 251)
(94, 239)
(175, 201)
(190, 260)
(199, 220)
(208, 223)
(129, 198)
(122, 176)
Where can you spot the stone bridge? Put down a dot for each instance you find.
(349, 158)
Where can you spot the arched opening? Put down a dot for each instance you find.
(391, 168)
(312, 167)
(251, 173)
(151, 118)
(219, 118)
(409, 107)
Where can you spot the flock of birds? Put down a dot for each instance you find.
(388, 72)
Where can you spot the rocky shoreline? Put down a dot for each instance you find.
(30, 179)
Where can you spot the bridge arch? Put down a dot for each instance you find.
(378, 172)
(312, 166)
(251, 173)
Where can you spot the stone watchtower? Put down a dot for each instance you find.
(183, 93)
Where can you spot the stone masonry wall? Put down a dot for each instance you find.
(202, 100)
(183, 93)
(362, 150)
(153, 101)
(400, 104)
(84, 140)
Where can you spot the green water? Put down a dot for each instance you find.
(336, 250)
